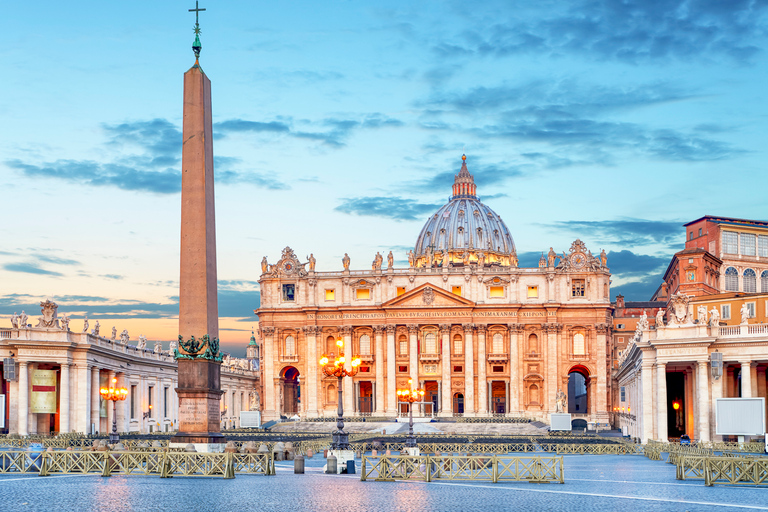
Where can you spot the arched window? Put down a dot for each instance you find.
(498, 343)
(403, 342)
(458, 345)
(430, 345)
(579, 349)
(330, 345)
(764, 282)
(533, 393)
(533, 343)
(731, 280)
(365, 345)
(750, 281)
(290, 346)
(331, 394)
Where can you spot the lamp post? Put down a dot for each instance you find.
(336, 369)
(114, 394)
(410, 396)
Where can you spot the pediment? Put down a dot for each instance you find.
(428, 296)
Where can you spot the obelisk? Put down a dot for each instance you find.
(198, 357)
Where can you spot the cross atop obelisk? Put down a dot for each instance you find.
(198, 356)
(196, 46)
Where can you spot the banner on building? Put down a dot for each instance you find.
(43, 398)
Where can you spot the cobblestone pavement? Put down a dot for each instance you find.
(592, 483)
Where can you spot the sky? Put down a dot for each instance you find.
(339, 125)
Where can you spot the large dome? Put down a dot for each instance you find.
(465, 228)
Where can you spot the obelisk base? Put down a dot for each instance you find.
(199, 406)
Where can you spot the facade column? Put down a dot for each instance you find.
(23, 413)
(703, 401)
(602, 351)
(661, 401)
(482, 366)
(413, 353)
(513, 396)
(717, 392)
(311, 382)
(646, 375)
(95, 400)
(391, 375)
(446, 406)
(270, 397)
(349, 392)
(110, 407)
(746, 379)
(82, 410)
(64, 399)
(753, 379)
(378, 334)
(121, 423)
(551, 376)
(469, 371)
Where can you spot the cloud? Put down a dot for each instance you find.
(639, 290)
(93, 306)
(630, 31)
(397, 208)
(30, 268)
(241, 125)
(627, 264)
(158, 137)
(626, 232)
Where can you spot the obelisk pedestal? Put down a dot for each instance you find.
(198, 356)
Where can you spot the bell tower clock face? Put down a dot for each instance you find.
(578, 260)
(288, 266)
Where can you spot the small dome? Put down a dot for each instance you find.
(466, 228)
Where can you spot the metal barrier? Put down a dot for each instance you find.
(166, 464)
(727, 469)
(594, 449)
(493, 468)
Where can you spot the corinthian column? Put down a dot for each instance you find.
(311, 382)
(378, 333)
(391, 379)
(349, 392)
(482, 386)
(514, 367)
(446, 402)
(469, 371)
(413, 353)
(64, 400)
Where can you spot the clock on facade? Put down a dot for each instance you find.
(578, 260)
(288, 266)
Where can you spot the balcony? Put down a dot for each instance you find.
(497, 358)
(429, 357)
(366, 358)
(289, 359)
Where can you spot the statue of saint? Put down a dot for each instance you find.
(124, 338)
(158, 347)
(96, 328)
(411, 258)
(172, 347)
(264, 265)
(390, 260)
(702, 314)
(23, 320)
(15, 320)
(64, 322)
(643, 323)
(603, 258)
(312, 262)
(142, 344)
(551, 257)
(85, 324)
(377, 261)
(114, 332)
(560, 401)
(660, 318)
(714, 317)
(744, 314)
(345, 261)
(481, 259)
(513, 258)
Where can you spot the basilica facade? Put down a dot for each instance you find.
(481, 335)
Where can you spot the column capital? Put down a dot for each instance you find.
(391, 328)
(481, 328)
(413, 328)
(603, 328)
(445, 328)
(378, 329)
(515, 328)
(346, 330)
(267, 331)
(468, 328)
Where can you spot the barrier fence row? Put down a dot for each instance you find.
(493, 468)
(164, 464)
(731, 469)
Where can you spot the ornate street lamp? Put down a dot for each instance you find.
(114, 394)
(336, 369)
(410, 396)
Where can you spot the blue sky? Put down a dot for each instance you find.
(338, 127)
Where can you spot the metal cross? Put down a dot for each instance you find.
(196, 10)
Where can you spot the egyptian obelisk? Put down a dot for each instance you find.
(198, 354)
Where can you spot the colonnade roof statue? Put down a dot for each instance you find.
(464, 230)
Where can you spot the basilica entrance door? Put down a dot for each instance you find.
(578, 390)
(430, 395)
(498, 397)
(291, 391)
(458, 403)
(365, 405)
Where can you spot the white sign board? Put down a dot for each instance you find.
(560, 421)
(2, 411)
(250, 419)
(740, 416)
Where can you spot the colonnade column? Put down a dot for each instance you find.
(391, 379)
(378, 334)
(270, 403)
(514, 367)
(311, 381)
(110, 407)
(603, 407)
(469, 371)
(82, 409)
(746, 378)
(661, 401)
(413, 353)
(64, 399)
(95, 397)
(552, 377)
(703, 401)
(646, 374)
(349, 392)
(482, 385)
(23, 412)
(446, 406)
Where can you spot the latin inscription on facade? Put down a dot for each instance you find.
(429, 314)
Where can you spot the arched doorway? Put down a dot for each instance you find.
(289, 382)
(458, 403)
(578, 390)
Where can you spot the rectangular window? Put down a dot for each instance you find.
(365, 369)
(725, 311)
(133, 402)
(400, 290)
(403, 347)
(458, 369)
(690, 235)
(533, 292)
(402, 369)
(363, 293)
(165, 402)
(751, 308)
(748, 244)
(730, 242)
(456, 290)
(577, 288)
(699, 231)
(498, 369)
(458, 346)
(497, 291)
(151, 391)
(330, 295)
(289, 292)
(762, 246)
(623, 394)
